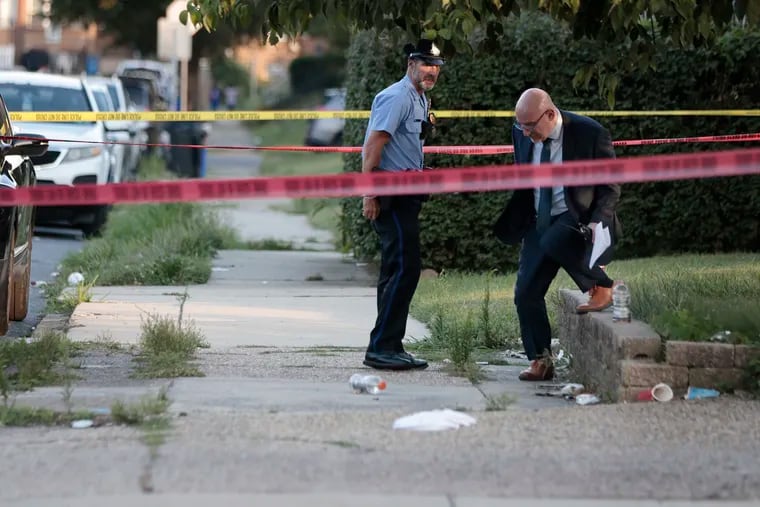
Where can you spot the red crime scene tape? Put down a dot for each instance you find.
(468, 179)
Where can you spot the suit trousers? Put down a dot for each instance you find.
(399, 230)
(541, 256)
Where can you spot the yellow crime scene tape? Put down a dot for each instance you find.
(209, 116)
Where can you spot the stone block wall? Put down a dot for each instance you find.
(618, 360)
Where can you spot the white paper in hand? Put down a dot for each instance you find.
(434, 420)
(602, 242)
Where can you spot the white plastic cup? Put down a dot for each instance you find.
(662, 392)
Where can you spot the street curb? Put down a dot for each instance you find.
(52, 322)
(351, 500)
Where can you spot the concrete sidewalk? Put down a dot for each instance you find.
(274, 423)
(348, 500)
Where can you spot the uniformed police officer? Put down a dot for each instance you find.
(398, 124)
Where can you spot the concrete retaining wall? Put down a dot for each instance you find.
(617, 360)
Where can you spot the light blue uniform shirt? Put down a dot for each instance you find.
(399, 110)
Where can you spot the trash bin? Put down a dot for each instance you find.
(185, 162)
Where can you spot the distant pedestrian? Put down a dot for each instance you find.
(398, 124)
(215, 97)
(231, 97)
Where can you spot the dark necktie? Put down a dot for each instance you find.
(544, 215)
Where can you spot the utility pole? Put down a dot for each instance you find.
(19, 30)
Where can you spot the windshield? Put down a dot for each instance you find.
(34, 98)
(139, 94)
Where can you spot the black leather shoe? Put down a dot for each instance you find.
(394, 361)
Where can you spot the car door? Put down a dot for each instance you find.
(15, 230)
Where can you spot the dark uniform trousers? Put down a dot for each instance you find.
(399, 230)
(541, 256)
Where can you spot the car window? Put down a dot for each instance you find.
(114, 95)
(33, 98)
(139, 94)
(101, 99)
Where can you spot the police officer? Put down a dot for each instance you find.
(398, 123)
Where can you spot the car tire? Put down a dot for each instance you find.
(99, 220)
(20, 278)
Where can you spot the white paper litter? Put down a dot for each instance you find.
(75, 278)
(434, 420)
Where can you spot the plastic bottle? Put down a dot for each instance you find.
(371, 384)
(621, 302)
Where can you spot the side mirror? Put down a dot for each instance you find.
(30, 145)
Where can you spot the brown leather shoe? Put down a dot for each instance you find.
(540, 369)
(601, 298)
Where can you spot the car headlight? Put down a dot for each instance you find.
(76, 154)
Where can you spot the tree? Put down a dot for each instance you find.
(133, 25)
(465, 26)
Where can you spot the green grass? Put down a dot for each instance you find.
(322, 213)
(148, 244)
(150, 415)
(167, 348)
(25, 364)
(684, 297)
(30, 416)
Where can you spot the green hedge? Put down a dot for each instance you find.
(312, 73)
(684, 216)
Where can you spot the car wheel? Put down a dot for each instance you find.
(93, 229)
(21, 276)
(5, 284)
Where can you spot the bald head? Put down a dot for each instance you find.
(536, 113)
(532, 100)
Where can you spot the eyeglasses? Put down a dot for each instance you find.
(530, 126)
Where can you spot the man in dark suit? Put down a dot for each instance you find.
(550, 222)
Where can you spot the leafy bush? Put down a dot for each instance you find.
(710, 215)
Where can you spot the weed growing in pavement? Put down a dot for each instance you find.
(485, 327)
(448, 305)
(168, 345)
(264, 244)
(28, 363)
(499, 402)
(69, 297)
(31, 416)
(461, 335)
(149, 414)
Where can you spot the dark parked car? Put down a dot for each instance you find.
(16, 221)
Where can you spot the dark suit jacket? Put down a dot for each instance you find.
(582, 139)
